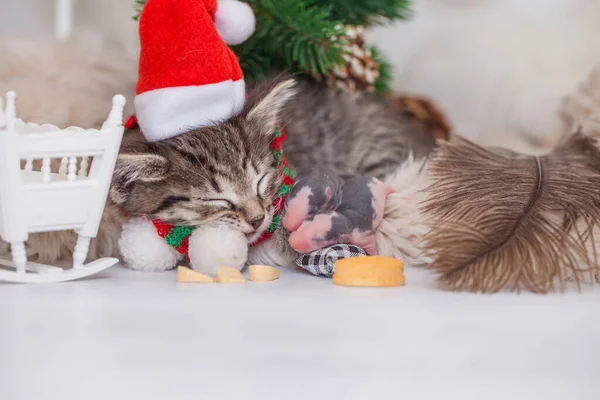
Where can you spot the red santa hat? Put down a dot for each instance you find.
(188, 77)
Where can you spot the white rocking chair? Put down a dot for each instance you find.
(43, 201)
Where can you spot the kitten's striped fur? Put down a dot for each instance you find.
(228, 173)
(178, 180)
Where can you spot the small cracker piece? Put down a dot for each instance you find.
(187, 275)
(229, 275)
(262, 273)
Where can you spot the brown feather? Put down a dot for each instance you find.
(507, 221)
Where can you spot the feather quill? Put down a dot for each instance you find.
(507, 221)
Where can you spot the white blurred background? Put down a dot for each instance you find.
(498, 68)
(35, 18)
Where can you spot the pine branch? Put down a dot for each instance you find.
(256, 62)
(298, 33)
(367, 12)
(139, 4)
(384, 82)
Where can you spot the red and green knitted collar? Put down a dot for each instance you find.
(178, 236)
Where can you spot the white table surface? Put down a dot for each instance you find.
(130, 335)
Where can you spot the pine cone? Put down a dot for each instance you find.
(360, 71)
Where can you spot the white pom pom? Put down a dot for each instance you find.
(143, 250)
(234, 21)
(215, 246)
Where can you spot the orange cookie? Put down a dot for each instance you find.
(371, 271)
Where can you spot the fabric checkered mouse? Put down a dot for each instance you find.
(322, 262)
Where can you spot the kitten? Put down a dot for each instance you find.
(228, 173)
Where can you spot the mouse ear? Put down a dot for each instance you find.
(266, 112)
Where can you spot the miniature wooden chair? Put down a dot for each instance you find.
(43, 201)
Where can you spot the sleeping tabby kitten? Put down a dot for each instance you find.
(228, 173)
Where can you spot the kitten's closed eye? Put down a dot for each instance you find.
(262, 185)
(220, 203)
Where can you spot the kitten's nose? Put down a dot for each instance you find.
(257, 221)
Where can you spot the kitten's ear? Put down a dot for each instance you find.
(265, 113)
(133, 167)
(141, 167)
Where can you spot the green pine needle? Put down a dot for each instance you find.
(139, 4)
(367, 12)
(256, 62)
(383, 83)
(297, 34)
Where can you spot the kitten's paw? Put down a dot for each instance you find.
(315, 191)
(214, 246)
(144, 250)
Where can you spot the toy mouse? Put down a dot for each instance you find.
(321, 211)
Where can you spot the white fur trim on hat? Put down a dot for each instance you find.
(169, 112)
(234, 21)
